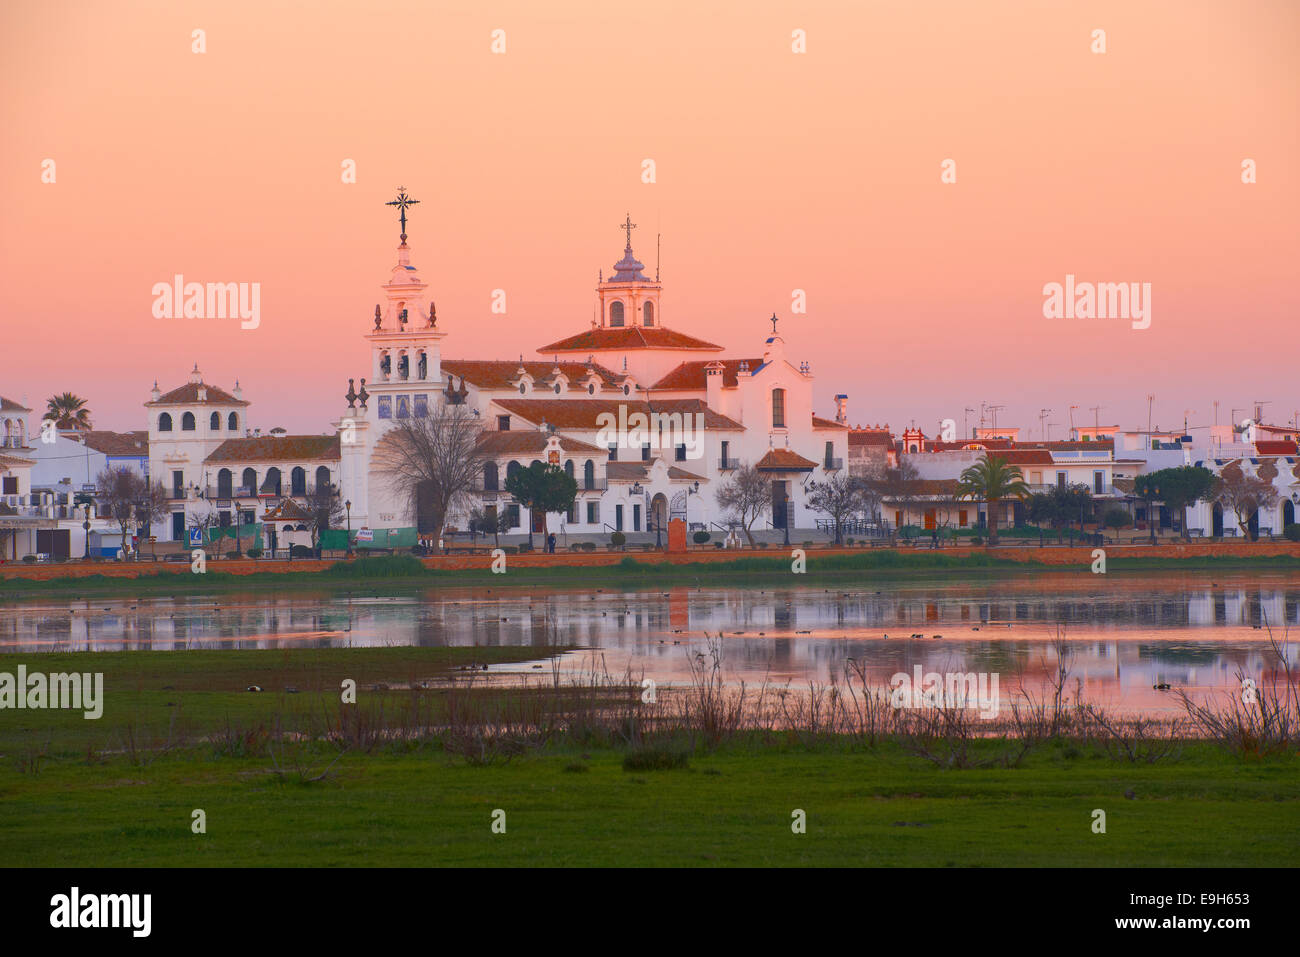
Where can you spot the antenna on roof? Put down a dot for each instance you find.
(657, 237)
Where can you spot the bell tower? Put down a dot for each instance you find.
(405, 341)
(628, 298)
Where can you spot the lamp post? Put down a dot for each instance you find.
(786, 523)
(86, 527)
(691, 490)
(348, 506)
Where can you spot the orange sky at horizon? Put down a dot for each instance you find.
(775, 171)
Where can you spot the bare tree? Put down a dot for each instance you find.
(325, 507)
(840, 497)
(128, 498)
(432, 463)
(1244, 494)
(745, 497)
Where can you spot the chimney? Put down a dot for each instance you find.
(842, 409)
(713, 385)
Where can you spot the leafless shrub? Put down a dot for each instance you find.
(1262, 718)
(1136, 739)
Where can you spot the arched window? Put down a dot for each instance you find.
(648, 314)
(591, 388)
(322, 478)
(187, 422)
(568, 468)
(249, 482)
(214, 423)
(225, 483)
(298, 481)
(589, 474)
(232, 422)
(165, 422)
(523, 388)
(491, 477)
(616, 314)
(272, 481)
(778, 408)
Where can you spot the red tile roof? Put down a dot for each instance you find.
(9, 405)
(1275, 447)
(188, 394)
(628, 337)
(691, 375)
(494, 374)
(514, 443)
(117, 443)
(784, 460)
(820, 423)
(15, 461)
(870, 437)
(286, 448)
(584, 413)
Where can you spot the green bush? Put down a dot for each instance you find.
(587, 546)
(254, 553)
(510, 549)
(29, 559)
(618, 539)
(1292, 532)
(700, 537)
(976, 540)
(380, 566)
(650, 758)
(629, 563)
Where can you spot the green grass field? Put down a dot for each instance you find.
(74, 793)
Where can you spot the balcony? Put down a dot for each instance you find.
(833, 464)
(594, 485)
(724, 464)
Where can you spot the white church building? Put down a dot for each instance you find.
(708, 413)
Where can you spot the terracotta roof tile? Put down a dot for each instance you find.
(515, 443)
(117, 443)
(628, 337)
(584, 413)
(188, 394)
(691, 375)
(286, 448)
(870, 437)
(784, 460)
(819, 423)
(9, 405)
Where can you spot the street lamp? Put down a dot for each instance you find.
(86, 527)
(692, 490)
(786, 523)
(348, 506)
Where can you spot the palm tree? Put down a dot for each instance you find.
(68, 411)
(992, 479)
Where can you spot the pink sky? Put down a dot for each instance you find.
(776, 171)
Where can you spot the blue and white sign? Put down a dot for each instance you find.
(196, 536)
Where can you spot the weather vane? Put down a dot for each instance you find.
(402, 202)
(629, 226)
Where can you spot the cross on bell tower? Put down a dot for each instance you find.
(402, 203)
(628, 225)
(773, 320)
